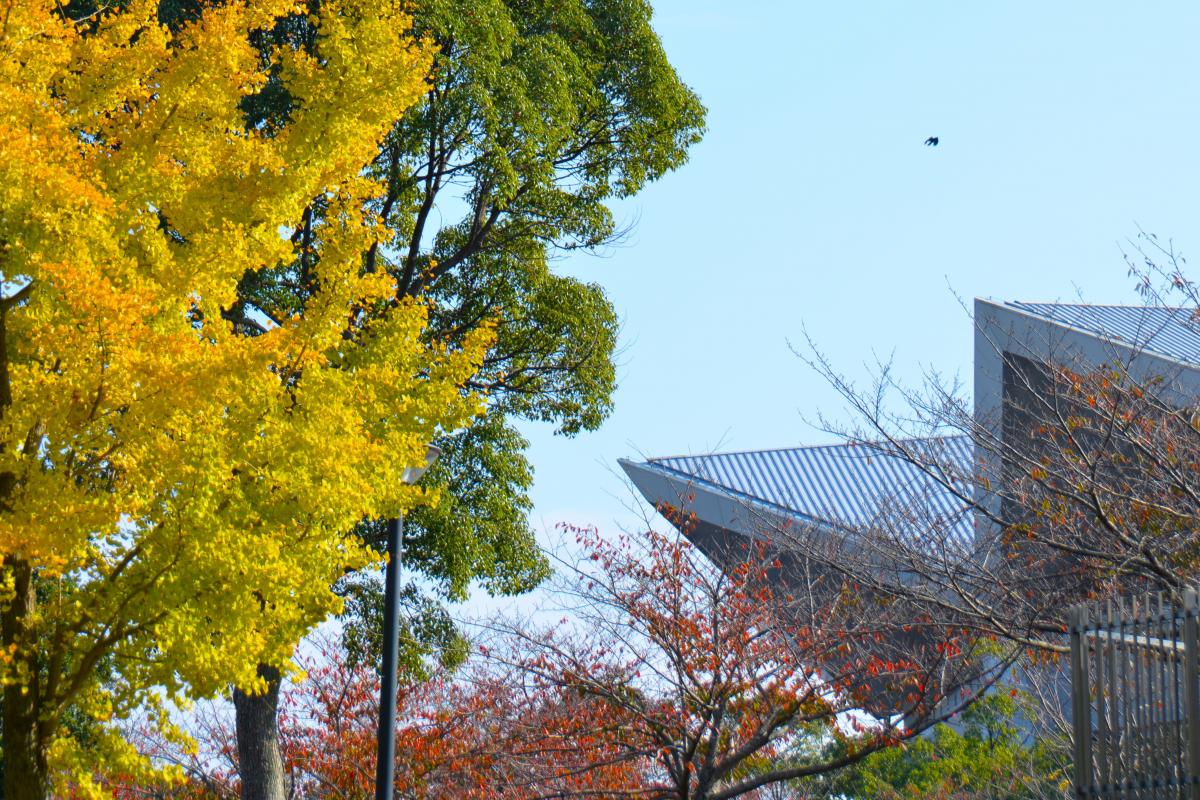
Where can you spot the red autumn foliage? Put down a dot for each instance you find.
(671, 679)
(713, 684)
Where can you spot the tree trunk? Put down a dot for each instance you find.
(260, 761)
(25, 737)
(26, 772)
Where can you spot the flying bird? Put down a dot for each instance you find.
(931, 141)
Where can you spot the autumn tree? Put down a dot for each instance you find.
(672, 679)
(537, 117)
(1086, 491)
(454, 738)
(163, 478)
(1082, 484)
(711, 684)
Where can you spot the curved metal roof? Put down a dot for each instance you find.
(857, 486)
(1170, 332)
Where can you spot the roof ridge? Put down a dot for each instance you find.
(828, 445)
(1172, 334)
(1019, 303)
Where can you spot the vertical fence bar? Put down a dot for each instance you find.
(1146, 655)
(1159, 692)
(1157, 662)
(1139, 692)
(1103, 770)
(1177, 703)
(1152, 644)
(1127, 767)
(1191, 692)
(1139, 723)
(1114, 697)
(1083, 767)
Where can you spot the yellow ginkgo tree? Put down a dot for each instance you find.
(163, 480)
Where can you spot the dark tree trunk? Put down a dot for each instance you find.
(26, 772)
(25, 737)
(260, 761)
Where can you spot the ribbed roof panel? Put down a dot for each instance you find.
(1172, 332)
(857, 486)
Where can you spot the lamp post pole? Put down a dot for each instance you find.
(385, 759)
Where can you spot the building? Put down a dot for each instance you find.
(937, 496)
(860, 485)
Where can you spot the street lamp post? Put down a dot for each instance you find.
(385, 760)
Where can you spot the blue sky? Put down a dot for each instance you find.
(813, 204)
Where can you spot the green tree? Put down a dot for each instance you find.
(538, 115)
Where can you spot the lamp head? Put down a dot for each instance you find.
(413, 474)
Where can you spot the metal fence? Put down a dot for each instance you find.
(1135, 698)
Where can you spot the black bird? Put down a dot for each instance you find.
(931, 141)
